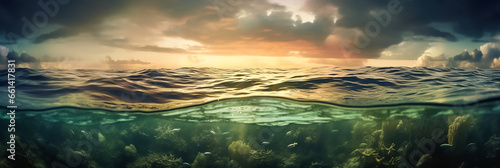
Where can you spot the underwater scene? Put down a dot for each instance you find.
(326, 117)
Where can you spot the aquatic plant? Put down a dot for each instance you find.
(239, 151)
(307, 134)
(390, 130)
(206, 139)
(291, 162)
(167, 139)
(361, 132)
(317, 165)
(425, 161)
(140, 132)
(156, 160)
(353, 162)
(26, 156)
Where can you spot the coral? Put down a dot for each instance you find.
(458, 131)
(167, 139)
(239, 151)
(291, 162)
(263, 158)
(365, 152)
(361, 132)
(156, 160)
(206, 139)
(130, 151)
(390, 130)
(200, 161)
(353, 163)
(307, 134)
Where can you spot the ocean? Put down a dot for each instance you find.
(241, 118)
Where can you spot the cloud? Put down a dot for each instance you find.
(3, 51)
(430, 61)
(496, 63)
(253, 25)
(486, 57)
(26, 19)
(256, 21)
(473, 19)
(125, 44)
(124, 64)
(406, 50)
(22, 60)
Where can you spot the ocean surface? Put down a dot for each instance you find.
(208, 117)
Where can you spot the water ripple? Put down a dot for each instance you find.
(172, 88)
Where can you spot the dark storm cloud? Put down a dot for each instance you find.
(219, 21)
(77, 16)
(256, 19)
(433, 32)
(59, 33)
(23, 58)
(26, 18)
(470, 18)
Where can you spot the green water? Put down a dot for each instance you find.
(258, 132)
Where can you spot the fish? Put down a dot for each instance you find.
(292, 145)
(289, 133)
(265, 143)
(176, 129)
(207, 153)
(224, 133)
(445, 146)
(186, 163)
(212, 131)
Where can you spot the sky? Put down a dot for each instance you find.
(131, 34)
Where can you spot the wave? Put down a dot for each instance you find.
(164, 89)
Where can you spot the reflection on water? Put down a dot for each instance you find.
(172, 88)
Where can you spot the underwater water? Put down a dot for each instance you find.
(290, 118)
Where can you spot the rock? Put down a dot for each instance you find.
(458, 132)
